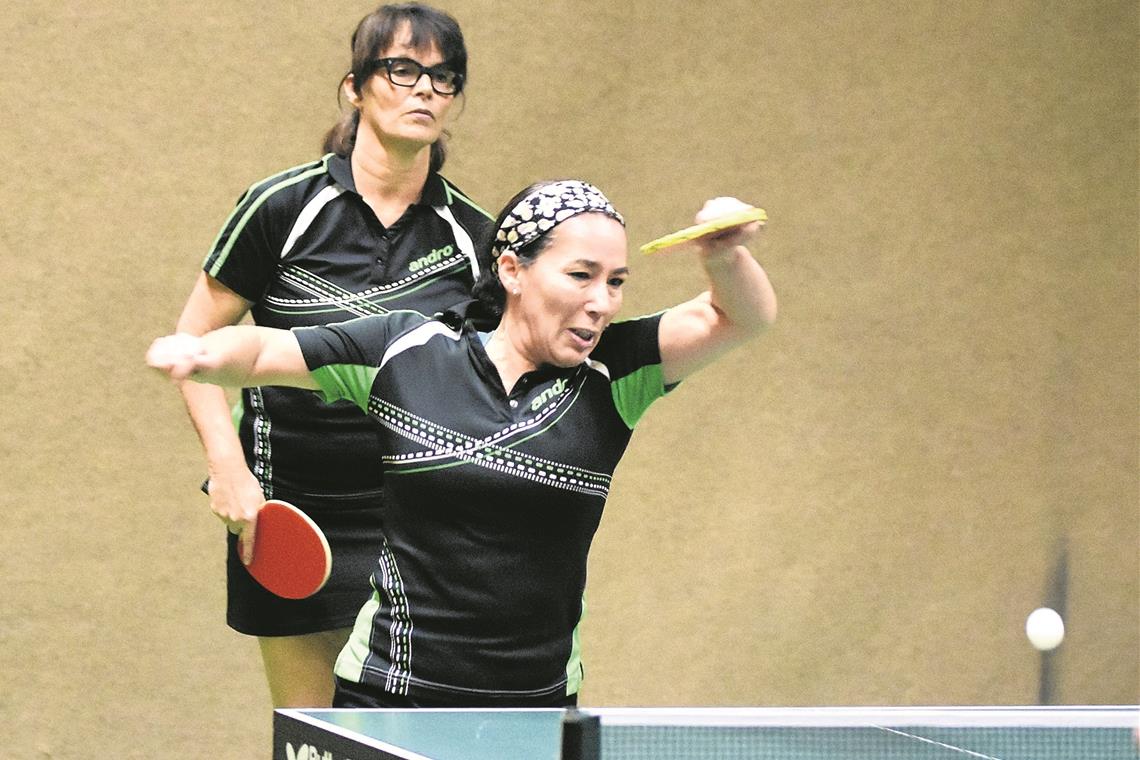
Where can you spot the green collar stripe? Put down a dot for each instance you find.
(453, 194)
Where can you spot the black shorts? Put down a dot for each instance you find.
(352, 525)
(352, 694)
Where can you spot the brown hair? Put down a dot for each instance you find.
(375, 33)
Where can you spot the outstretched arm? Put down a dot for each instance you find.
(737, 306)
(238, 356)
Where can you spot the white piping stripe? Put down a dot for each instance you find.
(262, 444)
(417, 337)
(308, 214)
(345, 302)
(462, 239)
(400, 631)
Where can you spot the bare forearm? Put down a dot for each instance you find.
(209, 411)
(239, 356)
(738, 303)
(229, 356)
(739, 288)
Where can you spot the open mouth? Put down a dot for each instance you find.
(586, 336)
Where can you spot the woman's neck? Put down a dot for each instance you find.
(505, 351)
(388, 180)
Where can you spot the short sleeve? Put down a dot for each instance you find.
(630, 353)
(345, 358)
(243, 256)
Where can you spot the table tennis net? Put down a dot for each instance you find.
(886, 734)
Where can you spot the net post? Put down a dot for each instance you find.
(1055, 597)
(581, 735)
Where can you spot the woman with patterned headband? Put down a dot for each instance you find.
(368, 228)
(496, 474)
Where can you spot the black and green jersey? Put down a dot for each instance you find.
(306, 249)
(492, 499)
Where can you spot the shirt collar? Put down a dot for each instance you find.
(473, 311)
(474, 316)
(434, 192)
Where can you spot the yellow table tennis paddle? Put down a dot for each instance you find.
(744, 216)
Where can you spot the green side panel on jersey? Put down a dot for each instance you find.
(635, 392)
(350, 661)
(574, 664)
(346, 381)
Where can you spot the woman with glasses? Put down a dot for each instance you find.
(496, 487)
(369, 228)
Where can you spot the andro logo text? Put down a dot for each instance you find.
(437, 255)
(558, 386)
(305, 753)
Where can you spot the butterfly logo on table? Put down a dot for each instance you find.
(306, 752)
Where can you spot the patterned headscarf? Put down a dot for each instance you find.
(541, 210)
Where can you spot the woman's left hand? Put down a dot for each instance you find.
(727, 238)
(175, 355)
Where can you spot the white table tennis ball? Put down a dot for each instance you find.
(1045, 629)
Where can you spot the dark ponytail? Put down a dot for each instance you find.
(342, 136)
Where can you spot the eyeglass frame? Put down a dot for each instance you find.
(386, 63)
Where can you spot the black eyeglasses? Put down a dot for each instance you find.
(405, 72)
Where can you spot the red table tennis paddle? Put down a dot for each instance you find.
(291, 555)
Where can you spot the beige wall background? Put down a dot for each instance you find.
(860, 508)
